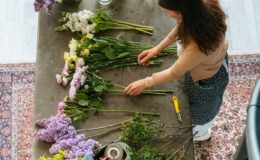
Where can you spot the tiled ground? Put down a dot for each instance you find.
(16, 106)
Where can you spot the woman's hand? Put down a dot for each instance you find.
(146, 55)
(136, 87)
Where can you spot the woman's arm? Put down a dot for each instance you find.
(144, 57)
(168, 40)
(190, 58)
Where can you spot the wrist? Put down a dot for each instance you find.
(157, 50)
(149, 82)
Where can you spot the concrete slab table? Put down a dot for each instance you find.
(52, 44)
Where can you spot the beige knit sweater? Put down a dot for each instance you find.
(193, 60)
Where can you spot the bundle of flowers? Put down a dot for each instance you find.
(59, 131)
(86, 94)
(87, 22)
(104, 53)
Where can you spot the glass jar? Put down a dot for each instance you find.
(104, 2)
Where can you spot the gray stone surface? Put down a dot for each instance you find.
(52, 44)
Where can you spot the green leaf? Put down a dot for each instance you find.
(109, 53)
(83, 102)
(99, 89)
(77, 118)
(95, 103)
(81, 95)
(122, 55)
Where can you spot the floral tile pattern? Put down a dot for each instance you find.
(229, 124)
(16, 109)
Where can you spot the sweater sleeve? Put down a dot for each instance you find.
(190, 58)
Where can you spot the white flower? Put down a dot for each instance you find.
(72, 92)
(64, 81)
(82, 80)
(65, 69)
(84, 16)
(84, 68)
(92, 28)
(86, 86)
(73, 45)
(80, 62)
(80, 22)
(85, 29)
(90, 36)
(58, 78)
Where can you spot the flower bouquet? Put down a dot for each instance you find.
(87, 22)
(67, 144)
(86, 95)
(104, 53)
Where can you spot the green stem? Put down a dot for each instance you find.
(130, 27)
(107, 126)
(105, 133)
(119, 86)
(153, 92)
(121, 110)
(132, 24)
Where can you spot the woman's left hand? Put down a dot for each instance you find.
(136, 88)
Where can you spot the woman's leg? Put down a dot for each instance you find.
(202, 130)
(205, 97)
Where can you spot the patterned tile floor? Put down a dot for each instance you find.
(16, 107)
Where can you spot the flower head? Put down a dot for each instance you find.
(58, 78)
(85, 52)
(47, 4)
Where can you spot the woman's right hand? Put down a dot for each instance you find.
(146, 55)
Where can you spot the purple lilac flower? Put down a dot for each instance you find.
(61, 107)
(38, 4)
(76, 147)
(59, 130)
(47, 4)
(78, 80)
(55, 128)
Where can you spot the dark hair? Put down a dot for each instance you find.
(202, 21)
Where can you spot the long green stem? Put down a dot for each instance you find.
(144, 92)
(132, 24)
(153, 92)
(121, 110)
(119, 86)
(134, 28)
(107, 126)
(105, 133)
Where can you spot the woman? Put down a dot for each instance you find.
(202, 50)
